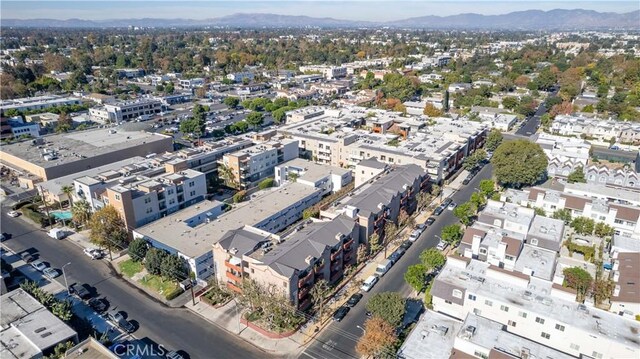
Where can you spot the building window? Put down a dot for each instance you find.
(191, 184)
(488, 303)
(483, 251)
(457, 293)
(448, 302)
(117, 197)
(147, 200)
(539, 320)
(560, 327)
(545, 335)
(575, 346)
(477, 311)
(596, 355)
(504, 308)
(534, 241)
(512, 323)
(472, 297)
(522, 314)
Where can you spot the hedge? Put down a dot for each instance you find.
(174, 294)
(36, 216)
(20, 204)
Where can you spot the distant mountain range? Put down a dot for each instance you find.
(520, 20)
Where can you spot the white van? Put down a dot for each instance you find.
(369, 283)
(383, 267)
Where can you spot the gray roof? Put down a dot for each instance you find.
(312, 241)
(243, 240)
(372, 163)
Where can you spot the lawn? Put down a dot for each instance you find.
(130, 268)
(162, 286)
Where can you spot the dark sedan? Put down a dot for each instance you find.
(353, 300)
(339, 314)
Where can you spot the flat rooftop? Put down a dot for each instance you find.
(174, 232)
(546, 228)
(432, 338)
(537, 298)
(536, 261)
(71, 147)
(507, 211)
(313, 171)
(90, 349)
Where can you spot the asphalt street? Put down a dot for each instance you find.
(175, 328)
(532, 123)
(338, 340)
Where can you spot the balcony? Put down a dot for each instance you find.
(232, 266)
(234, 287)
(347, 258)
(347, 246)
(304, 304)
(318, 268)
(336, 266)
(303, 280)
(302, 292)
(336, 254)
(234, 276)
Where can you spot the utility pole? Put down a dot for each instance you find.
(46, 207)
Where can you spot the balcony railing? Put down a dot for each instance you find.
(318, 268)
(303, 280)
(336, 254)
(302, 292)
(233, 276)
(234, 287)
(347, 246)
(232, 266)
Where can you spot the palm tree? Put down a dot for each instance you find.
(226, 174)
(81, 211)
(68, 190)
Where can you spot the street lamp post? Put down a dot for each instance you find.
(364, 331)
(64, 275)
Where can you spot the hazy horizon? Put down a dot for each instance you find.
(356, 10)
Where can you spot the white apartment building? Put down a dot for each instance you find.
(37, 103)
(329, 72)
(192, 83)
(564, 154)
(241, 76)
(126, 110)
(533, 308)
(328, 178)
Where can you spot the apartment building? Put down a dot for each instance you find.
(249, 165)
(343, 137)
(438, 336)
(192, 83)
(37, 103)
(127, 110)
(320, 250)
(59, 155)
(328, 178)
(532, 308)
(565, 154)
(589, 127)
(382, 199)
(497, 118)
(130, 73)
(625, 300)
(192, 232)
(329, 72)
(241, 76)
(625, 178)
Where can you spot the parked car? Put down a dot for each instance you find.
(27, 257)
(466, 181)
(4, 236)
(421, 227)
(340, 313)
(369, 283)
(451, 206)
(414, 235)
(447, 201)
(50, 273)
(39, 265)
(93, 253)
(353, 300)
(438, 211)
(406, 244)
(79, 291)
(13, 214)
(118, 319)
(98, 304)
(395, 256)
(442, 245)
(430, 221)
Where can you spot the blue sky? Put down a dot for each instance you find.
(350, 10)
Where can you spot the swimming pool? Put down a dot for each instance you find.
(61, 214)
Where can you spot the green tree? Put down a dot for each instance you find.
(473, 160)
(107, 228)
(311, 212)
(319, 295)
(583, 225)
(153, 260)
(540, 211)
(388, 306)
(255, 119)
(494, 139)
(465, 212)
(174, 268)
(577, 176)
(452, 234)
(578, 279)
(374, 243)
(231, 102)
(169, 88)
(266, 183)
(487, 187)
(562, 214)
(194, 126)
(68, 191)
(432, 259)
(239, 196)
(81, 212)
(138, 249)
(510, 102)
(604, 230)
(415, 276)
(477, 200)
(519, 163)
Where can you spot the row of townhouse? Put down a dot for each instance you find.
(344, 137)
(600, 129)
(616, 208)
(565, 154)
(538, 310)
(613, 177)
